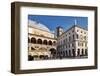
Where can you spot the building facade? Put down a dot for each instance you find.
(73, 42)
(41, 41)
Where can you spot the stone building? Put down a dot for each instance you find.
(73, 42)
(41, 41)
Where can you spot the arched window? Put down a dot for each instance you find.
(50, 42)
(82, 51)
(77, 36)
(52, 50)
(33, 40)
(39, 41)
(73, 37)
(54, 42)
(45, 42)
(29, 40)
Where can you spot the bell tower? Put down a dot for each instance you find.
(59, 31)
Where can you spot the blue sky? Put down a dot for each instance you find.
(64, 21)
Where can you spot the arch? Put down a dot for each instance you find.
(50, 42)
(54, 42)
(45, 42)
(46, 57)
(29, 41)
(33, 40)
(69, 52)
(39, 41)
(77, 36)
(73, 52)
(78, 52)
(30, 58)
(86, 52)
(66, 53)
(52, 50)
(63, 53)
(82, 53)
(41, 56)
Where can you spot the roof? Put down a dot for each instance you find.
(74, 27)
(37, 25)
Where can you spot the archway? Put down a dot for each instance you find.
(69, 52)
(73, 51)
(33, 40)
(50, 42)
(39, 41)
(45, 42)
(54, 42)
(66, 53)
(52, 50)
(82, 53)
(30, 58)
(78, 52)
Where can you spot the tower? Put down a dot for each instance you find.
(59, 31)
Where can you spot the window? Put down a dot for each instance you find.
(82, 44)
(73, 37)
(85, 44)
(81, 31)
(69, 52)
(84, 37)
(66, 39)
(78, 52)
(45, 42)
(54, 42)
(39, 41)
(77, 36)
(82, 52)
(69, 38)
(78, 43)
(86, 52)
(72, 44)
(73, 31)
(77, 30)
(50, 42)
(33, 40)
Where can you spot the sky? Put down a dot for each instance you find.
(65, 22)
